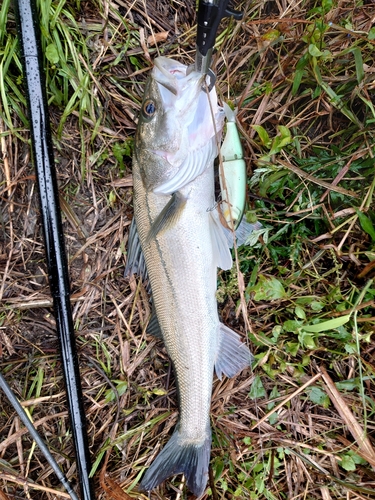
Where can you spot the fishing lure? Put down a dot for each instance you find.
(232, 172)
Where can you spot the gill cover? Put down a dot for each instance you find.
(175, 139)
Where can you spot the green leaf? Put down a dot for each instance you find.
(120, 150)
(366, 224)
(159, 392)
(319, 397)
(298, 75)
(292, 348)
(331, 324)
(348, 385)
(314, 51)
(292, 325)
(300, 71)
(306, 340)
(263, 135)
(371, 34)
(284, 132)
(274, 394)
(268, 289)
(273, 418)
(275, 147)
(257, 390)
(281, 140)
(259, 483)
(134, 61)
(271, 35)
(299, 312)
(276, 331)
(351, 348)
(122, 386)
(270, 180)
(219, 467)
(356, 458)
(52, 54)
(316, 306)
(347, 463)
(327, 5)
(352, 383)
(358, 64)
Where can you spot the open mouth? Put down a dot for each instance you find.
(173, 77)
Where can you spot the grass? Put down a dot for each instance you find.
(300, 424)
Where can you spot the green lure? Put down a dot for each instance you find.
(232, 172)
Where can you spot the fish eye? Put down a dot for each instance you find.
(148, 108)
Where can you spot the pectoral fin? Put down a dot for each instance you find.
(168, 216)
(194, 165)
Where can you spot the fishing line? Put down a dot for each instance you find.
(243, 301)
(151, 28)
(240, 287)
(36, 437)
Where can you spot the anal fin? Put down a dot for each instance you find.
(233, 356)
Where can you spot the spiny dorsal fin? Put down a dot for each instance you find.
(153, 327)
(135, 262)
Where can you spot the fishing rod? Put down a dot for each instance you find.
(34, 434)
(42, 151)
(232, 171)
(210, 15)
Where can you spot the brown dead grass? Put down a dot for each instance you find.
(110, 313)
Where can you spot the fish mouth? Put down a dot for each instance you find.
(174, 77)
(180, 94)
(189, 121)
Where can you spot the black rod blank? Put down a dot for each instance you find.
(29, 35)
(35, 435)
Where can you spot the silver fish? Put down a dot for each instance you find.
(183, 244)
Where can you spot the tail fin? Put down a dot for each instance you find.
(180, 456)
